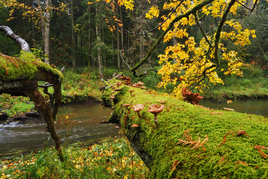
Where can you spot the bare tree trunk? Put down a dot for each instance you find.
(89, 43)
(45, 26)
(47, 29)
(122, 33)
(118, 41)
(73, 40)
(99, 50)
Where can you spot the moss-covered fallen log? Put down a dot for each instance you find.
(20, 76)
(191, 141)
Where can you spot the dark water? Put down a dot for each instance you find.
(32, 135)
(250, 106)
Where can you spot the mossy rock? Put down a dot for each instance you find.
(214, 143)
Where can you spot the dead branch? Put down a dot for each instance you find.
(24, 45)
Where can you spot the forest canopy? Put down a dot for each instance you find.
(191, 44)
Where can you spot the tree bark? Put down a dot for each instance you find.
(45, 109)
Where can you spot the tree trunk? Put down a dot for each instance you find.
(73, 38)
(118, 40)
(122, 33)
(89, 43)
(98, 48)
(45, 25)
(47, 29)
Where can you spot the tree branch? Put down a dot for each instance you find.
(203, 75)
(156, 26)
(198, 24)
(248, 7)
(188, 13)
(24, 45)
(121, 55)
(218, 33)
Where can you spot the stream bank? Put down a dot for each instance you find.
(76, 122)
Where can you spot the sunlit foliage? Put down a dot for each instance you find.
(32, 13)
(191, 62)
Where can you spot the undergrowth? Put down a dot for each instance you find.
(253, 84)
(109, 158)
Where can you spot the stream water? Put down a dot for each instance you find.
(250, 106)
(87, 118)
(31, 134)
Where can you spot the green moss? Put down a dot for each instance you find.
(24, 67)
(236, 158)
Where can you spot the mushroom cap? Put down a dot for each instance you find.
(135, 85)
(112, 96)
(118, 89)
(122, 77)
(137, 107)
(155, 108)
(118, 84)
(161, 102)
(134, 125)
(126, 105)
(140, 83)
(143, 87)
(130, 90)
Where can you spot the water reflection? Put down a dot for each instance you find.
(32, 133)
(250, 106)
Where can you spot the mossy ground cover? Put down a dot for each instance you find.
(109, 158)
(224, 144)
(15, 105)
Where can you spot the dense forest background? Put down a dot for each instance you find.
(89, 33)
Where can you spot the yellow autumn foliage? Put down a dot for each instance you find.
(190, 62)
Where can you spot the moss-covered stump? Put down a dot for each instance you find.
(191, 141)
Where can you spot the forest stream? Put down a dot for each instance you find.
(249, 106)
(87, 117)
(31, 134)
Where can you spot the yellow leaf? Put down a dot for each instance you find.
(153, 12)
